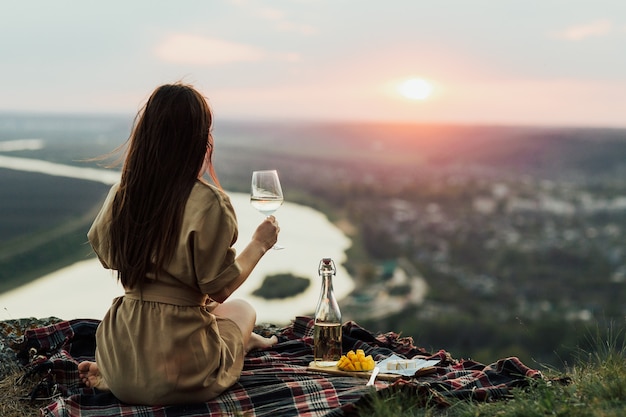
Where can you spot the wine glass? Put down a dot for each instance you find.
(266, 195)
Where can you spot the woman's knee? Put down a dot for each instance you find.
(243, 307)
(239, 311)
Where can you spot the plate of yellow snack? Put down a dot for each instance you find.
(356, 363)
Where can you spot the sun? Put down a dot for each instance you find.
(415, 89)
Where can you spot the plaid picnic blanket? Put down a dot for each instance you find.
(274, 382)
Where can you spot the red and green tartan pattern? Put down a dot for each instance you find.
(274, 382)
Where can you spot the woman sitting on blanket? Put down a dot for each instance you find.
(173, 338)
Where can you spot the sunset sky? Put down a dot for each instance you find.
(523, 62)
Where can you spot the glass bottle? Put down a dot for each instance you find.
(327, 329)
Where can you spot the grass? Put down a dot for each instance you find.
(14, 393)
(594, 387)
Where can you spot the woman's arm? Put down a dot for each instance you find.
(263, 239)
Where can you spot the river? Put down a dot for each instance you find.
(85, 289)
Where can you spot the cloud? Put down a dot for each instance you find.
(204, 51)
(271, 13)
(578, 32)
(303, 29)
(282, 24)
(277, 17)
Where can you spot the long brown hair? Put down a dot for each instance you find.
(169, 145)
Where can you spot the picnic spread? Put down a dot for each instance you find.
(280, 381)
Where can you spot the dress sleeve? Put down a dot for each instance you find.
(213, 239)
(99, 231)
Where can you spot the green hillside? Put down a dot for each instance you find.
(44, 223)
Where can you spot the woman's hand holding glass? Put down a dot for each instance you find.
(267, 233)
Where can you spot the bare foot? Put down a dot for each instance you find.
(259, 342)
(89, 374)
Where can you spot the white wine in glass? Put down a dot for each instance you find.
(266, 194)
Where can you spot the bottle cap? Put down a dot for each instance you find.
(327, 264)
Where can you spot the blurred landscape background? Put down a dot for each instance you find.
(515, 233)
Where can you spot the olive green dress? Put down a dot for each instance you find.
(164, 346)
